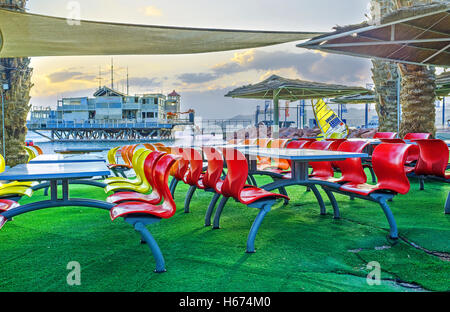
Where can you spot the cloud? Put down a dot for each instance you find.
(66, 75)
(312, 66)
(152, 11)
(197, 77)
(142, 82)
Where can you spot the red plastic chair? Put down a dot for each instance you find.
(234, 187)
(6, 204)
(417, 136)
(281, 165)
(388, 163)
(351, 169)
(433, 160)
(385, 135)
(179, 170)
(322, 169)
(155, 197)
(193, 174)
(140, 214)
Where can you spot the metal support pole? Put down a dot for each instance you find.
(276, 114)
(399, 86)
(443, 112)
(3, 125)
(366, 116)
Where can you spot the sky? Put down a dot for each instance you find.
(202, 79)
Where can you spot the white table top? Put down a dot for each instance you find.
(55, 171)
(301, 154)
(65, 158)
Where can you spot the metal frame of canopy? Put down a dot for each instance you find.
(278, 88)
(416, 35)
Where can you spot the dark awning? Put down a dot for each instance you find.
(417, 35)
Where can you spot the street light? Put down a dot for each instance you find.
(5, 87)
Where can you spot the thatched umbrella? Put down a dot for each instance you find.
(277, 88)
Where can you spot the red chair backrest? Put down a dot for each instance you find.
(433, 158)
(351, 168)
(195, 166)
(279, 143)
(149, 146)
(336, 143)
(149, 167)
(237, 173)
(298, 144)
(124, 153)
(397, 141)
(388, 163)
(417, 136)
(385, 135)
(179, 169)
(215, 167)
(130, 152)
(161, 174)
(322, 168)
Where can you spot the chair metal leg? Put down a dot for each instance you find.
(187, 200)
(447, 204)
(323, 209)
(173, 186)
(153, 245)
(252, 178)
(255, 227)
(223, 202)
(390, 217)
(372, 173)
(422, 183)
(211, 207)
(46, 191)
(334, 203)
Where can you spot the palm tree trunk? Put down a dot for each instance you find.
(417, 99)
(385, 75)
(17, 74)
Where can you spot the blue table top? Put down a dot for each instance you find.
(55, 171)
(65, 158)
(301, 154)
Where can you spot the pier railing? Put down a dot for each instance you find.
(98, 124)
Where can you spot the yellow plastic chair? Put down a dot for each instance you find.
(14, 188)
(30, 152)
(135, 163)
(112, 156)
(143, 188)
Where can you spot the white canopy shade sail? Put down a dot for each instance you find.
(28, 35)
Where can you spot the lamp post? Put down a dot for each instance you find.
(5, 87)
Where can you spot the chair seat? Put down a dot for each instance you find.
(128, 208)
(126, 186)
(6, 204)
(114, 166)
(18, 183)
(218, 187)
(16, 190)
(200, 184)
(328, 179)
(274, 170)
(360, 189)
(2, 221)
(409, 170)
(251, 194)
(154, 198)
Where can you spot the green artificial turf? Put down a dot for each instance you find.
(297, 249)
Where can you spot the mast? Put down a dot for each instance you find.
(128, 84)
(112, 73)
